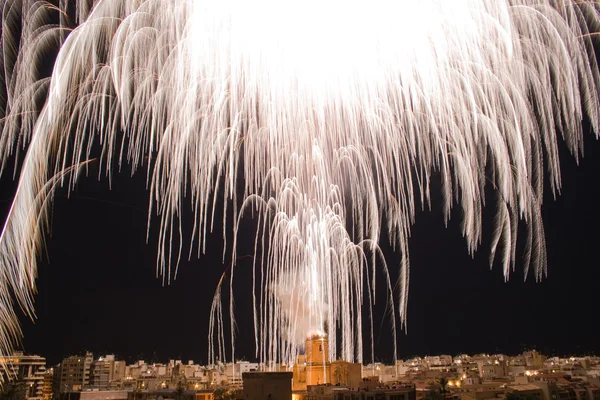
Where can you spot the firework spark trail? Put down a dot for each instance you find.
(339, 112)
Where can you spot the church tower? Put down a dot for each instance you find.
(318, 368)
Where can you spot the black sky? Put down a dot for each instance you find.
(98, 289)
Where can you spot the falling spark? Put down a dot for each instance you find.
(331, 116)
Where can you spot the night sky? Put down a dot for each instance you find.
(98, 289)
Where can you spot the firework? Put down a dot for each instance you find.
(325, 120)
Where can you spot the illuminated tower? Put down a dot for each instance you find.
(318, 368)
(317, 350)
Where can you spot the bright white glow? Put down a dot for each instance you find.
(339, 112)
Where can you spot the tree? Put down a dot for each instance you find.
(219, 394)
(224, 394)
(443, 382)
(180, 390)
(433, 394)
(515, 396)
(14, 391)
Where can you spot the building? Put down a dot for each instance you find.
(344, 373)
(47, 384)
(73, 373)
(328, 392)
(119, 368)
(166, 394)
(318, 368)
(95, 395)
(106, 370)
(29, 369)
(100, 374)
(533, 359)
(234, 371)
(267, 385)
(439, 361)
(497, 370)
(491, 367)
(387, 373)
(314, 368)
(525, 392)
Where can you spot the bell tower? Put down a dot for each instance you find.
(318, 368)
(317, 350)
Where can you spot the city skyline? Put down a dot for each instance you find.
(439, 359)
(494, 376)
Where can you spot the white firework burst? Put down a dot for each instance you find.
(331, 116)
